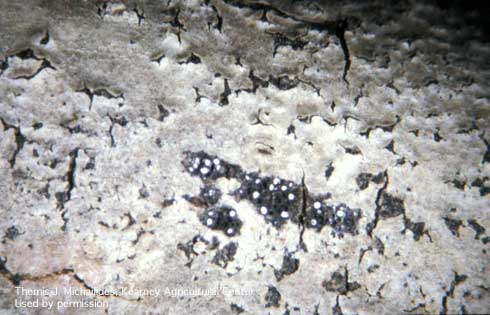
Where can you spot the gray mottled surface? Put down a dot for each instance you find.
(99, 101)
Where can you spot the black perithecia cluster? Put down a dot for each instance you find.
(276, 199)
(210, 194)
(340, 217)
(209, 167)
(222, 218)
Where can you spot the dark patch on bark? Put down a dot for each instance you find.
(480, 183)
(12, 233)
(339, 282)
(391, 147)
(391, 206)
(289, 266)
(162, 112)
(225, 255)
(417, 228)
(272, 297)
(237, 309)
(479, 230)
(363, 179)
(352, 150)
(329, 170)
(453, 225)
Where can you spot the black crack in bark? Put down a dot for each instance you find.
(157, 58)
(198, 95)
(391, 147)
(193, 58)
(302, 215)
(16, 278)
(65, 218)
(281, 40)
(289, 266)
(339, 282)
(131, 220)
(358, 96)
(282, 83)
(315, 310)
(121, 121)
(44, 65)
(174, 13)
(272, 297)
(101, 10)
(223, 99)
(219, 23)
(450, 292)
(20, 140)
(26, 54)
(337, 27)
(256, 82)
(336, 309)
(340, 29)
(486, 155)
(89, 93)
(139, 234)
(388, 128)
(379, 205)
(103, 92)
(65, 196)
(70, 175)
(29, 54)
(362, 251)
(140, 14)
